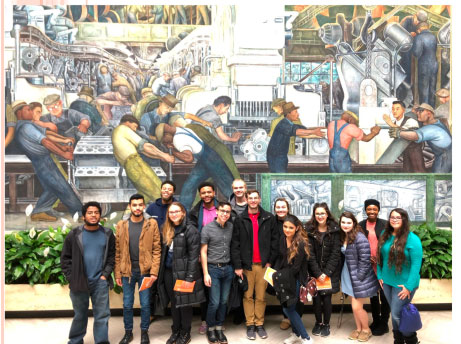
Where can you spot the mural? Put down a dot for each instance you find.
(100, 101)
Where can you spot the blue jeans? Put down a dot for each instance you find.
(221, 281)
(209, 164)
(99, 294)
(396, 304)
(128, 300)
(54, 187)
(297, 325)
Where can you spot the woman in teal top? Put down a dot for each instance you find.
(400, 256)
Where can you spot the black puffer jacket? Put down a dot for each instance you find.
(325, 256)
(363, 278)
(186, 250)
(242, 240)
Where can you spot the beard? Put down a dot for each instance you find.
(137, 215)
(88, 223)
(167, 200)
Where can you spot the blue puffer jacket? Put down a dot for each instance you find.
(363, 278)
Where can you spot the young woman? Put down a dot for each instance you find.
(325, 261)
(281, 210)
(180, 252)
(291, 267)
(400, 257)
(358, 279)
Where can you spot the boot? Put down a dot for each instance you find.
(145, 337)
(173, 338)
(184, 337)
(128, 337)
(413, 339)
(384, 325)
(398, 337)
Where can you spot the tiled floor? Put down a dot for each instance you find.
(438, 327)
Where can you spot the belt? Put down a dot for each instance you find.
(219, 265)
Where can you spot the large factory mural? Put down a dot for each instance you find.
(104, 101)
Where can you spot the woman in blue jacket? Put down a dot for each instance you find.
(400, 257)
(358, 279)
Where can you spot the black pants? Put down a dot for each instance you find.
(322, 305)
(380, 309)
(299, 310)
(182, 316)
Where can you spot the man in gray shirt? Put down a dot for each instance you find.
(217, 270)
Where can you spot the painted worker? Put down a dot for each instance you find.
(87, 105)
(211, 113)
(413, 159)
(161, 86)
(121, 97)
(70, 122)
(433, 132)
(442, 112)
(277, 150)
(147, 100)
(127, 147)
(340, 135)
(38, 143)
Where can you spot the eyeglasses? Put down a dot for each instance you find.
(175, 212)
(224, 211)
(395, 218)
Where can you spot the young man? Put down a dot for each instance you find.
(202, 214)
(217, 270)
(87, 261)
(238, 198)
(254, 248)
(413, 160)
(158, 209)
(372, 227)
(137, 256)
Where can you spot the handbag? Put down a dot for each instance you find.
(310, 290)
(312, 287)
(410, 320)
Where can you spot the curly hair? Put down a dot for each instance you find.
(299, 237)
(168, 226)
(350, 236)
(397, 250)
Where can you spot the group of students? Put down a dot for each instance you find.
(219, 245)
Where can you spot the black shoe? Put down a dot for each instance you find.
(173, 338)
(221, 337)
(261, 331)
(381, 329)
(145, 337)
(184, 338)
(128, 337)
(374, 325)
(211, 337)
(251, 334)
(317, 329)
(413, 339)
(398, 337)
(325, 331)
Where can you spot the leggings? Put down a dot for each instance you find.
(322, 304)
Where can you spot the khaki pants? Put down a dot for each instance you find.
(255, 307)
(143, 178)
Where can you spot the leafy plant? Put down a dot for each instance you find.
(437, 246)
(34, 256)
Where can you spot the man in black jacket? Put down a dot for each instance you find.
(254, 248)
(87, 261)
(373, 227)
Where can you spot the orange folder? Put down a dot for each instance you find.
(180, 286)
(326, 284)
(145, 282)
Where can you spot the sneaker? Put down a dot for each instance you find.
(261, 331)
(221, 337)
(211, 337)
(309, 340)
(251, 334)
(173, 338)
(285, 324)
(202, 328)
(128, 337)
(317, 329)
(364, 336)
(184, 338)
(325, 331)
(293, 339)
(354, 335)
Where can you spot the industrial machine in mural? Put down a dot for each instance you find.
(105, 62)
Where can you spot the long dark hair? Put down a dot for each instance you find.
(168, 226)
(313, 221)
(397, 250)
(299, 237)
(355, 229)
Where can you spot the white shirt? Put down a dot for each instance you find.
(409, 124)
(183, 142)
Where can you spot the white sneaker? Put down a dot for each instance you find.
(307, 341)
(293, 339)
